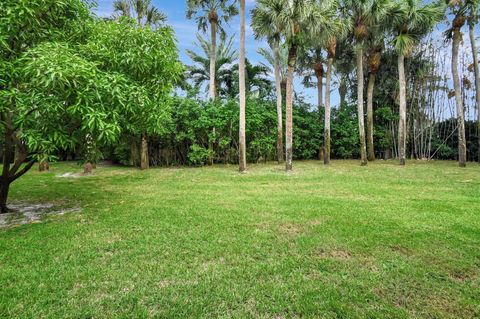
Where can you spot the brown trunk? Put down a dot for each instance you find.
(370, 144)
(242, 91)
(318, 68)
(43, 167)
(462, 146)
(278, 87)
(87, 168)
(292, 56)
(133, 153)
(213, 18)
(4, 188)
(342, 91)
(402, 123)
(144, 160)
(326, 158)
(477, 79)
(361, 120)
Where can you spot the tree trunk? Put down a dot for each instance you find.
(402, 124)
(241, 72)
(462, 146)
(292, 56)
(144, 160)
(342, 91)
(477, 78)
(133, 153)
(4, 188)
(321, 155)
(361, 120)
(370, 144)
(278, 87)
(213, 58)
(326, 143)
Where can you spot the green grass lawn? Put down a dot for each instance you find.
(343, 241)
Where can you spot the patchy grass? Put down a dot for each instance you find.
(343, 241)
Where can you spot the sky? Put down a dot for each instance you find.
(186, 35)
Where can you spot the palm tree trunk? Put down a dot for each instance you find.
(213, 59)
(361, 120)
(292, 56)
(326, 155)
(370, 144)
(278, 87)
(462, 147)
(321, 155)
(144, 160)
(241, 72)
(342, 91)
(477, 78)
(402, 125)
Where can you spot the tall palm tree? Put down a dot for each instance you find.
(311, 65)
(242, 97)
(410, 21)
(266, 25)
(459, 10)
(141, 10)
(224, 72)
(364, 15)
(376, 46)
(296, 19)
(474, 8)
(213, 13)
(335, 30)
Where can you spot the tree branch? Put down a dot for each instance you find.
(25, 169)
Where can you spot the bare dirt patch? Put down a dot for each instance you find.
(26, 213)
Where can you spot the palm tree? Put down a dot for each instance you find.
(410, 21)
(337, 30)
(215, 13)
(241, 72)
(296, 19)
(141, 10)
(364, 15)
(266, 25)
(458, 9)
(474, 7)
(224, 63)
(311, 65)
(376, 46)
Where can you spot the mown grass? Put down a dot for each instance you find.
(343, 241)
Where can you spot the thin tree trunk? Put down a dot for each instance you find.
(462, 147)
(213, 58)
(477, 78)
(292, 56)
(321, 155)
(278, 87)
(8, 152)
(402, 125)
(370, 144)
(326, 155)
(342, 91)
(144, 160)
(361, 120)
(241, 72)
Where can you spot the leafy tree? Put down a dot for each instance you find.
(24, 25)
(214, 13)
(155, 71)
